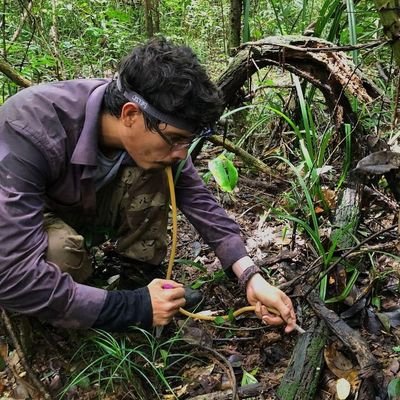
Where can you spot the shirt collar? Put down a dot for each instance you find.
(85, 152)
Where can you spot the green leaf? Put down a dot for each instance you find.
(248, 378)
(219, 320)
(224, 172)
(394, 389)
(396, 349)
(198, 283)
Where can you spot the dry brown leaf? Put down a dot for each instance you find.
(340, 365)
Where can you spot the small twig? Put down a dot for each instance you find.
(389, 202)
(345, 255)
(18, 348)
(225, 365)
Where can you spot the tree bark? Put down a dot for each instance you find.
(148, 16)
(235, 25)
(302, 375)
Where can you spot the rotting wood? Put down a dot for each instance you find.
(370, 371)
(317, 61)
(328, 70)
(301, 378)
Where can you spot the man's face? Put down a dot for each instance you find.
(152, 150)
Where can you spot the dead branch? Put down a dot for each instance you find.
(345, 255)
(370, 45)
(223, 363)
(245, 156)
(370, 370)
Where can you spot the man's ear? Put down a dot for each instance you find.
(130, 113)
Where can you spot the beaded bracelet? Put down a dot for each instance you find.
(247, 274)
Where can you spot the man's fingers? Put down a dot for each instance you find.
(274, 320)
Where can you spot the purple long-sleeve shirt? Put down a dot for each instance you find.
(48, 147)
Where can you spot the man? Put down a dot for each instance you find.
(91, 153)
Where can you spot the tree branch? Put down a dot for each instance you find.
(13, 75)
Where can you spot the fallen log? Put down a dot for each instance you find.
(301, 378)
(313, 59)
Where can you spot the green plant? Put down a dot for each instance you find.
(312, 228)
(215, 277)
(249, 377)
(108, 362)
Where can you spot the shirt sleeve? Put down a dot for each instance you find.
(29, 284)
(218, 230)
(125, 308)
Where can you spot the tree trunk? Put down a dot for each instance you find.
(156, 16)
(148, 16)
(235, 25)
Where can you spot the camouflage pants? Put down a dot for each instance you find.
(132, 210)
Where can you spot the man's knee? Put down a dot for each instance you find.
(66, 249)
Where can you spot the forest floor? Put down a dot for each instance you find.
(203, 354)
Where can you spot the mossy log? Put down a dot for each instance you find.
(302, 375)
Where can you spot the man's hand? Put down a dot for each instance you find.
(262, 295)
(165, 302)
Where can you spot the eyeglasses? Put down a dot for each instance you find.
(178, 144)
(185, 142)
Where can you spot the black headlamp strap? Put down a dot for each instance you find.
(149, 109)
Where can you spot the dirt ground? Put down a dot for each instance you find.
(254, 353)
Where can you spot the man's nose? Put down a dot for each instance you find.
(179, 154)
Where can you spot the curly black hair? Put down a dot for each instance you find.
(171, 78)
